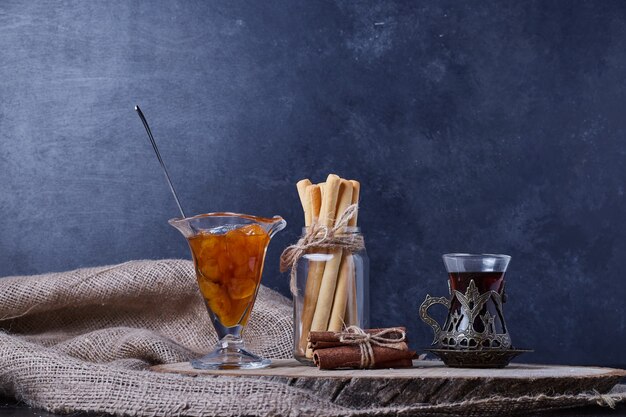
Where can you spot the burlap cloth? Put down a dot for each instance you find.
(83, 340)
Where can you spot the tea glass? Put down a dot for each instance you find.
(475, 319)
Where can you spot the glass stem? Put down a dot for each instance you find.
(230, 342)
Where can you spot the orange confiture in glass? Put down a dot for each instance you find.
(228, 268)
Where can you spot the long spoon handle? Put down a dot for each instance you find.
(158, 154)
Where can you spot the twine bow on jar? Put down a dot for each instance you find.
(354, 335)
(319, 236)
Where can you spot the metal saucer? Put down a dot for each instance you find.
(481, 358)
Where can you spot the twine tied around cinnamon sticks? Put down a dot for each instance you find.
(351, 349)
(319, 236)
(354, 335)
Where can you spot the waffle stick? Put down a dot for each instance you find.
(346, 268)
(315, 271)
(351, 314)
(331, 268)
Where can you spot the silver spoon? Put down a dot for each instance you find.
(156, 150)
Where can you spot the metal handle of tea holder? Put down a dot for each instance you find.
(429, 302)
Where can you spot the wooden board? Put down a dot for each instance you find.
(427, 382)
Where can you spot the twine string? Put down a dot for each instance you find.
(354, 335)
(606, 400)
(320, 236)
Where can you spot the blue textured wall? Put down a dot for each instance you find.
(485, 127)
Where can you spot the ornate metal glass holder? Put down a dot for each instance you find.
(474, 333)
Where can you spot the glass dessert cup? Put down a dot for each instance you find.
(228, 251)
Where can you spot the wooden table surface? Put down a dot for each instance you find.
(11, 408)
(427, 370)
(426, 382)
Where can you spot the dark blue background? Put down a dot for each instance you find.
(484, 126)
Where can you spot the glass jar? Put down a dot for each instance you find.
(333, 293)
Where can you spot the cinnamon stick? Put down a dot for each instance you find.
(324, 340)
(350, 357)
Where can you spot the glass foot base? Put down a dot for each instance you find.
(230, 357)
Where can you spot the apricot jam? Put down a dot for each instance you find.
(228, 268)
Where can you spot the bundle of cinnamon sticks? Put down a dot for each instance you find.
(364, 349)
(329, 299)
